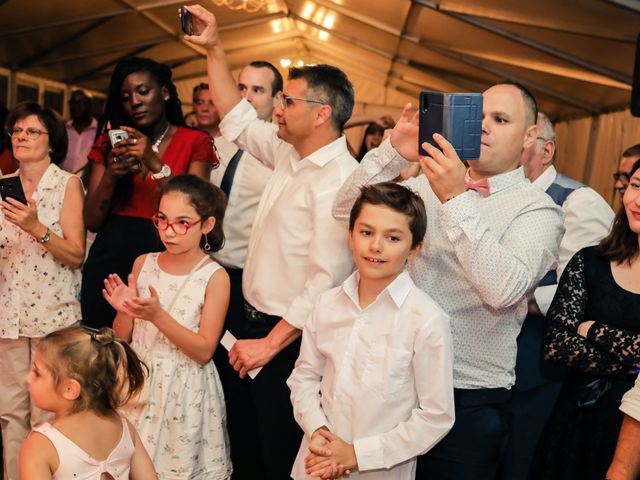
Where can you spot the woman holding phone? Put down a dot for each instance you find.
(42, 245)
(126, 176)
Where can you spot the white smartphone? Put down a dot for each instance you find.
(116, 135)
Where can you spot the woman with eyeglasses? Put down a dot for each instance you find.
(594, 329)
(42, 246)
(126, 178)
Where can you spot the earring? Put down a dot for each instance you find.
(166, 98)
(207, 247)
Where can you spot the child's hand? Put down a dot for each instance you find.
(116, 292)
(332, 459)
(145, 308)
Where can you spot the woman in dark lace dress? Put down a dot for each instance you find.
(594, 328)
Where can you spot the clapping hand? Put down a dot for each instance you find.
(116, 292)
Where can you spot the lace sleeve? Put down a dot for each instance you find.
(562, 342)
(622, 344)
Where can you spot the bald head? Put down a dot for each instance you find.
(530, 105)
(538, 156)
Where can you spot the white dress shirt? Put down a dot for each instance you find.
(249, 181)
(79, 146)
(481, 258)
(587, 220)
(297, 250)
(379, 378)
(631, 401)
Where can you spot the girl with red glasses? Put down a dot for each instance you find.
(172, 311)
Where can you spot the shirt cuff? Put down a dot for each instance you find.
(387, 154)
(237, 120)
(631, 402)
(544, 296)
(313, 421)
(454, 212)
(369, 453)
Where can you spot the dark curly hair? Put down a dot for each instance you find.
(114, 113)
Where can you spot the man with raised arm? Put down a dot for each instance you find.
(491, 236)
(297, 249)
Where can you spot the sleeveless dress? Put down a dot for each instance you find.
(77, 464)
(183, 424)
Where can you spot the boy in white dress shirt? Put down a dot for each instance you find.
(373, 386)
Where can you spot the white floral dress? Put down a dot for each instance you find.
(183, 425)
(38, 294)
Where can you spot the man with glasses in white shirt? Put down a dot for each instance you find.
(297, 249)
(491, 236)
(243, 179)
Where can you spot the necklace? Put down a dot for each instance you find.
(156, 145)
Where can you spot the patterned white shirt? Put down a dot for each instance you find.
(379, 378)
(481, 259)
(297, 250)
(631, 401)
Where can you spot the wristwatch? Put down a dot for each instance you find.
(45, 238)
(164, 172)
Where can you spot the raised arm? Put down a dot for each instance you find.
(225, 94)
(382, 164)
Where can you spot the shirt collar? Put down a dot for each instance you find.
(546, 178)
(324, 155)
(397, 290)
(504, 180)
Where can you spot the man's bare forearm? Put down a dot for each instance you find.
(224, 91)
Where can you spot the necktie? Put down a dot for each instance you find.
(480, 186)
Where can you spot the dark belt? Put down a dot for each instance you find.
(467, 397)
(254, 316)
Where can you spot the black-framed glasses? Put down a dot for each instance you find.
(622, 177)
(32, 133)
(286, 101)
(179, 227)
(542, 138)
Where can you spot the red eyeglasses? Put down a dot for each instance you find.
(179, 227)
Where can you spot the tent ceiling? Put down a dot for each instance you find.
(575, 55)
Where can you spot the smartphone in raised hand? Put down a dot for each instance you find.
(455, 116)
(186, 19)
